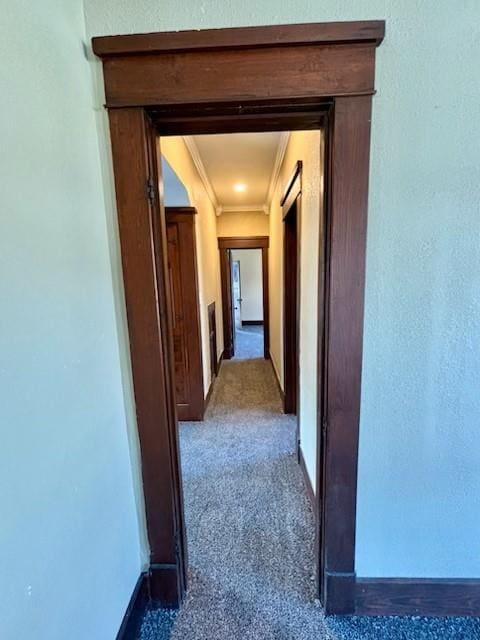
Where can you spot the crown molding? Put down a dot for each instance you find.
(197, 161)
(243, 208)
(281, 149)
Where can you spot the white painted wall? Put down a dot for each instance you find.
(69, 539)
(306, 146)
(208, 262)
(250, 282)
(419, 469)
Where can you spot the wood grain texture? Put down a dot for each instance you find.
(182, 269)
(348, 224)
(145, 293)
(420, 597)
(371, 31)
(245, 80)
(267, 73)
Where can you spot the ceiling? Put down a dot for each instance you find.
(235, 160)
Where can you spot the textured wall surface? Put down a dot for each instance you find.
(209, 288)
(244, 223)
(69, 540)
(419, 467)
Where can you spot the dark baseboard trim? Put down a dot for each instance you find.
(135, 610)
(306, 479)
(339, 593)
(246, 323)
(280, 390)
(164, 585)
(417, 596)
(220, 360)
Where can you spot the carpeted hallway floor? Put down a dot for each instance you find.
(250, 530)
(248, 342)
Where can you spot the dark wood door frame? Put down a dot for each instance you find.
(254, 79)
(291, 216)
(225, 245)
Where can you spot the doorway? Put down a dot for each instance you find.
(261, 78)
(254, 250)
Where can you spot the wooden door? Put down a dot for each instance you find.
(182, 274)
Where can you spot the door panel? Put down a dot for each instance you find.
(182, 274)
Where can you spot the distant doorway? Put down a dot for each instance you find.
(247, 303)
(245, 308)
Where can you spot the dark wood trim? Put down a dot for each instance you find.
(257, 323)
(144, 253)
(306, 481)
(186, 323)
(314, 73)
(226, 285)
(292, 216)
(244, 242)
(136, 609)
(293, 186)
(279, 386)
(371, 31)
(347, 216)
(177, 213)
(417, 597)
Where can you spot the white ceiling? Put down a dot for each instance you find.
(247, 158)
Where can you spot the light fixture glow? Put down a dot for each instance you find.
(239, 187)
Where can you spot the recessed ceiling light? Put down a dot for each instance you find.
(239, 187)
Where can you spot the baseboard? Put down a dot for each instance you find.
(164, 583)
(277, 380)
(247, 323)
(220, 360)
(306, 480)
(208, 396)
(417, 597)
(136, 608)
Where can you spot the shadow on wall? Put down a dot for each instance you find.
(175, 194)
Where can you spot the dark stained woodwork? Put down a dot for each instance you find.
(187, 341)
(291, 214)
(350, 146)
(244, 242)
(417, 597)
(146, 294)
(212, 339)
(227, 304)
(304, 72)
(246, 80)
(371, 31)
(225, 245)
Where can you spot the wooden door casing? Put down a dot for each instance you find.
(183, 281)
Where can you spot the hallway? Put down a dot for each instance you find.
(250, 530)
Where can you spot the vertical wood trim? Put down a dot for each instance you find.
(226, 285)
(266, 304)
(142, 239)
(348, 223)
